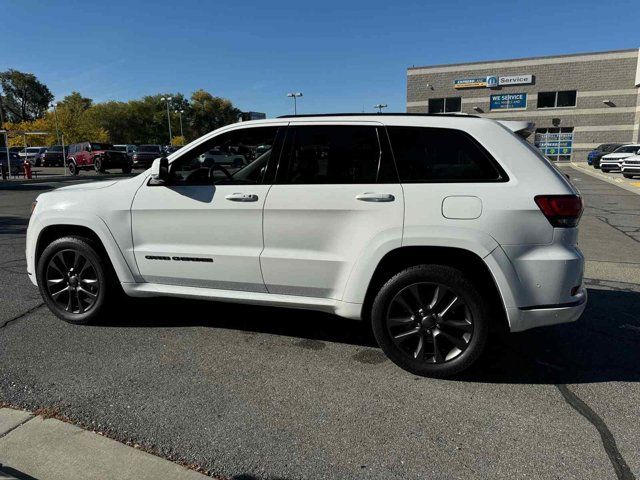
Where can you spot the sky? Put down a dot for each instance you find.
(344, 56)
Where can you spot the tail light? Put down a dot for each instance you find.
(562, 211)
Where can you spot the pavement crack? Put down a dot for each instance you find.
(623, 472)
(22, 315)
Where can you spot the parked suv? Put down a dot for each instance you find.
(434, 228)
(613, 161)
(33, 155)
(97, 156)
(594, 156)
(146, 154)
(53, 156)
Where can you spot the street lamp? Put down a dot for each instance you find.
(180, 112)
(168, 101)
(55, 112)
(380, 106)
(295, 102)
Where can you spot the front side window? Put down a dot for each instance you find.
(235, 157)
(331, 154)
(440, 155)
(445, 105)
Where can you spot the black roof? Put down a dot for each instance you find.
(378, 115)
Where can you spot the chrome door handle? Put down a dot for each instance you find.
(375, 197)
(242, 197)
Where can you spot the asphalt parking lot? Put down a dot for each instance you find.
(253, 392)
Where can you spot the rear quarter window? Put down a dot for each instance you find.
(426, 155)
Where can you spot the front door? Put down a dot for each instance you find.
(335, 200)
(204, 228)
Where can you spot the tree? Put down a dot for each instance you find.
(206, 113)
(25, 98)
(77, 102)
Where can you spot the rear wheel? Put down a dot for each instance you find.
(98, 164)
(430, 320)
(73, 168)
(74, 280)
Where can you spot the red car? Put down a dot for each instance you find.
(97, 156)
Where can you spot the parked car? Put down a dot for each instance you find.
(631, 166)
(97, 156)
(16, 150)
(594, 156)
(53, 156)
(15, 161)
(612, 162)
(128, 148)
(145, 155)
(33, 155)
(229, 159)
(435, 228)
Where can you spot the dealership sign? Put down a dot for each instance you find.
(492, 81)
(508, 101)
(515, 80)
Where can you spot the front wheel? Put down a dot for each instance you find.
(74, 280)
(627, 175)
(430, 320)
(98, 164)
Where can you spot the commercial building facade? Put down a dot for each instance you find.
(577, 101)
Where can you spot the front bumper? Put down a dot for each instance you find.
(611, 166)
(532, 317)
(631, 168)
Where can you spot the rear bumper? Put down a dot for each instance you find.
(531, 317)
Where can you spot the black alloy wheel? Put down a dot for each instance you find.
(430, 320)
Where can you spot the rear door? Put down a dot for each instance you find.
(336, 196)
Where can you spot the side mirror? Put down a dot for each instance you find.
(159, 171)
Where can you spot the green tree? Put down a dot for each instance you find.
(25, 98)
(206, 113)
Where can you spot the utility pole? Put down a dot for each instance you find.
(55, 112)
(168, 101)
(180, 112)
(295, 102)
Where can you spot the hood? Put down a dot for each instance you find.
(88, 186)
(632, 158)
(148, 154)
(614, 156)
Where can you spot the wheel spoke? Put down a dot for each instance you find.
(416, 297)
(89, 281)
(437, 354)
(452, 304)
(403, 303)
(404, 335)
(77, 299)
(87, 292)
(55, 281)
(419, 352)
(59, 292)
(399, 320)
(60, 263)
(437, 296)
(68, 308)
(463, 325)
(457, 342)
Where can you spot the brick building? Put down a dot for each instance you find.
(576, 101)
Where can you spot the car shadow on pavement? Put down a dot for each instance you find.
(604, 345)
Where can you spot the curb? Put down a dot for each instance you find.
(38, 447)
(61, 179)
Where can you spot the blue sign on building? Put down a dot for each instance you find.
(508, 101)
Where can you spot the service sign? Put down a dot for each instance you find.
(504, 101)
(515, 80)
(470, 82)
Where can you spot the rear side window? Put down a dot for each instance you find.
(335, 154)
(441, 155)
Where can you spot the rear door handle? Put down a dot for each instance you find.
(375, 197)
(242, 197)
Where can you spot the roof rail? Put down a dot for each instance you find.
(457, 114)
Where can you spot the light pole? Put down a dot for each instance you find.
(180, 112)
(55, 113)
(168, 101)
(295, 100)
(380, 106)
(6, 145)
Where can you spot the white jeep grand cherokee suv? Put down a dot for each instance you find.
(433, 228)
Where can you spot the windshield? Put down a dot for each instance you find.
(101, 146)
(149, 148)
(120, 148)
(628, 149)
(56, 148)
(33, 149)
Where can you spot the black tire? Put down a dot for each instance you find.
(470, 335)
(85, 291)
(73, 168)
(98, 165)
(127, 169)
(626, 175)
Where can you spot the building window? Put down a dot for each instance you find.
(445, 105)
(555, 143)
(565, 98)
